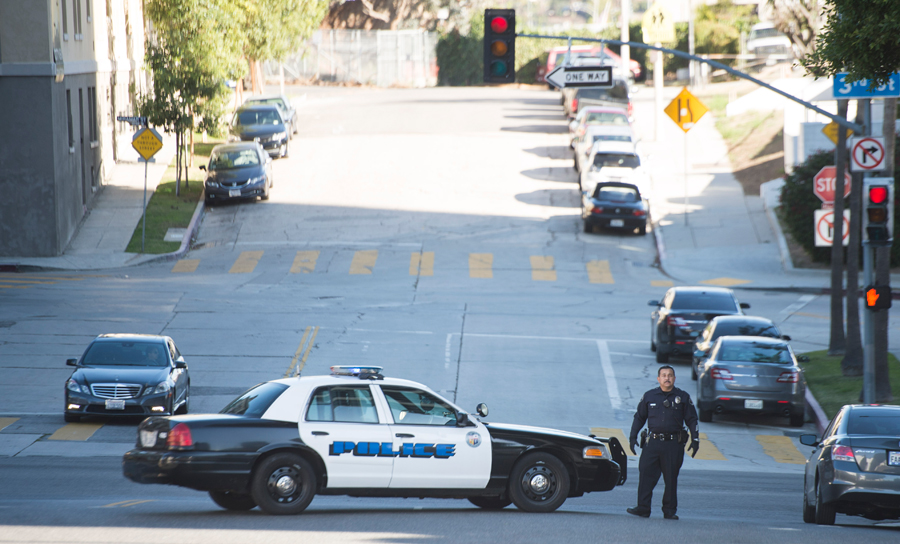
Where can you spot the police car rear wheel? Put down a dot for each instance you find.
(539, 482)
(233, 501)
(283, 484)
(490, 503)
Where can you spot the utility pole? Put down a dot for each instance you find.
(836, 342)
(625, 52)
(883, 268)
(691, 63)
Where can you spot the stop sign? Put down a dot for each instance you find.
(825, 181)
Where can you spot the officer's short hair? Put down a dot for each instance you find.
(659, 372)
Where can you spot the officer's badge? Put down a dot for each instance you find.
(677, 400)
(473, 439)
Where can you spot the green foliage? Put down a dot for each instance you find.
(829, 385)
(859, 37)
(460, 56)
(275, 29)
(166, 210)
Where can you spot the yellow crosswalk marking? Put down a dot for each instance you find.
(481, 265)
(186, 265)
(421, 264)
(708, 451)
(661, 283)
(305, 262)
(126, 504)
(599, 272)
(725, 282)
(542, 268)
(75, 431)
(246, 262)
(7, 421)
(781, 448)
(607, 432)
(363, 261)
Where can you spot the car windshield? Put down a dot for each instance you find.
(618, 92)
(258, 117)
(745, 329)
(716, 302)
(256, 400)
(273, 101)
(620, 160)
(612, 138)
(122, 353)
(616, 194)
(750, 352)
(606, 118)
(872, 423)
(764, 33)
(226, 160)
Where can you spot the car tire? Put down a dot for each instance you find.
(539, 482)
(825, 513)
(233, 501)
(286, 151)
(661, 357)
(809, 510)
(693, 371)
(490, 503)
(185, 408)
(71, 418)
(705, 416)
(283, 484)
(642, 230)
(575, 164)
(265, 195)
(798, 419)
(588, 228)
(207, 202)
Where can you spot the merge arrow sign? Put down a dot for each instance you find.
(581, 76)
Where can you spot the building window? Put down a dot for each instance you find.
(92, 113)
(65, 20)
(87, 9)
(69, 117)
(76, 16)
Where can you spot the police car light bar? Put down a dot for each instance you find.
(362, 372)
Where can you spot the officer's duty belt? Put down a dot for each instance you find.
(664, 436)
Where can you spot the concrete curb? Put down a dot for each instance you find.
(786, 262)
(189, 236)
(660, 244)
(819, 418)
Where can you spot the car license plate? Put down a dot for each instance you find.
(148, 438)
(750, 404)
(894, 458)
(115, 404)
(234, 192)
(616, 222)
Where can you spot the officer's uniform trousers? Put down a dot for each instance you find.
(660, 457)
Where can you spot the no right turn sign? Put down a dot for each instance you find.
(867, 154)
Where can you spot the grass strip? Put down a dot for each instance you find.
(832, 389)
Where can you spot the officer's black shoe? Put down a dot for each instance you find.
(638, 512)
(670, 516)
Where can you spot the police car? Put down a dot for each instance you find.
(359, 433)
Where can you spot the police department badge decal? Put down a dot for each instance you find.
(473, 439)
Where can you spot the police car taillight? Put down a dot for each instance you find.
(180, 437)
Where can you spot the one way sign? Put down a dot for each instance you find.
(581, 76)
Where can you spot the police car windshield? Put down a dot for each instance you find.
(256, 400)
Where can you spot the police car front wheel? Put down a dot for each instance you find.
(283, 484)
(539, 482)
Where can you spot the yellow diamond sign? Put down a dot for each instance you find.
(147, 142)
(832, 130)
(686, 109)
(657, 25)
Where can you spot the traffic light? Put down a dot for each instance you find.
(499, 45)
(878, 297)
(879, 216)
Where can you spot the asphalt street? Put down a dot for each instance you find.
(435, 232)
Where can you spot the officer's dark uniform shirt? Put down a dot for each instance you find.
(652, 410)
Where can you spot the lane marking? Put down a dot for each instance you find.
(75, 431)
(780, 448)
(481, 265)
(793, 308)
(186, 266)
(126, 504)
(612, 387)
(14, 286)
(542, 268)
(529, 337)
(708, 450)
(725, 282)
(661, 283)
(38, 277)
(300, 349)
(33, 282)
(363, 261)
(447, 350)
(641, 355)
(421, 264)
(305, 262)
(246, 262)
(7, 421)
(609, 432)
(599, 272)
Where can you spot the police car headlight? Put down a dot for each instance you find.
(596, 452)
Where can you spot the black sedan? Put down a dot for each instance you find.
(237, 171)
(731, 325)
(128, 375)
(677, 320)
(288, 111)
(614, 205)
(356, 432)
(855, 467)
(262, 123)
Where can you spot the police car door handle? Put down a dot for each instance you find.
(319, 433)
(405, 435)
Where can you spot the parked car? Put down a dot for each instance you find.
(128, 375)
(617, 96)
(557, 56)
(855, 468)
(752, 374)
(596, 115)
(357, 432)
(614, 162)
(614, 205)
(731, 325)
(264, 124)
(677, 320)
(238, 171)
(288, 111)
(765, 40)
(601, 133)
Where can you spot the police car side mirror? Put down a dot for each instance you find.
(462, 420)
(482, 409)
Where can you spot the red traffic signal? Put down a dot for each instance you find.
(499, 45)
(878, 216)
(878, 194)
(878, 297)
(499, 24)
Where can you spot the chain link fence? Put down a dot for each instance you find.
(385, 58)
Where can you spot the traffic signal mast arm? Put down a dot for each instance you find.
(839, 120)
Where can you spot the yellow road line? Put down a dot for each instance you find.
(725, 282)
(599, 272)
(305, 262)
(75, 431)
(708, 451)
(246, 262)
(661, 283)
(780, 448)
(126, 504)
(7, 421)
(542, 268)
(300, 349)
(607, 432)
(481, 265)
(363, 261)
(14, 286)
(186, 265)
(38, 282)
(35, 277)
(421, 264)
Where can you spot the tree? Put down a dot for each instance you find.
(800, 21)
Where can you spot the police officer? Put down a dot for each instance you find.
(665, 409)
